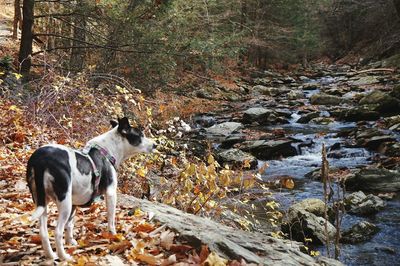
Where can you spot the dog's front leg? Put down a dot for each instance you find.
(111, 203)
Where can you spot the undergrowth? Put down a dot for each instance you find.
(67, 110)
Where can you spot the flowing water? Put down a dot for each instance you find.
(384, 247)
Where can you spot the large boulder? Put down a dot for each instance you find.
(326, 99)
(295, 95)
(256, 114)
(360, 232)
(228, 242)
(382, 101)
(315, 206)
(302, 224)
(361, 204)
(374, 179)
(223, 129)
(269, 149)
(362, 81)
(237, 158)
(360, 113)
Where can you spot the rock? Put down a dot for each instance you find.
(392, 121)
(307, 117)
(392, 149)
(304, 78)
(295, 95)
(204, 94)
(256, 114)
(361, 204)
(360, 232)
(226, 241)
(288, 79)
(302, 224)
(361, 81)
(374, 179)
(223, 129)
(237, 158)
(262, 81)
(231, 140)
(269, 91)
(310, 86)
(374, 142)
(383, 101)
(326, 99)
(315, 206)
(204, 120)
(269, 149)
(395, 92)
(360, 113)
(322, 120)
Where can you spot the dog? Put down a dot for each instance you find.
(74, 178)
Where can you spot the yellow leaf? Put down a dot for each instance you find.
(138, 212)
(17, 76)
(214, 260)
(14, 108)
(148, 111)
(141, 172)
(210, 159)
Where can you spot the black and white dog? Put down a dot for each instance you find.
(74, 178)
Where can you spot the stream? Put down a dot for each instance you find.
(384, 247)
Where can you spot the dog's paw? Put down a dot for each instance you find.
(72, 242)
(51, 255)
(66, 257)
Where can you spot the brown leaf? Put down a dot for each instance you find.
(180, 248)
(147, 258)
(36, 239)
(204, 252)
(120, 246)
(144, 227)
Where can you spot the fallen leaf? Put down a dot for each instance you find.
(180, 248)
(167, 239)
(169, 261)
(147, 258)
(144, 227)
(215, 260)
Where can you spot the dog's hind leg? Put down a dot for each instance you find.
(64, 212)
(69, 237)
(43, 231)
(111, 202)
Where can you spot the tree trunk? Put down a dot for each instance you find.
(17, 18)
(25, 49)
(397, 6)
(77, 59)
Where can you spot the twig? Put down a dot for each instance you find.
(325, 178)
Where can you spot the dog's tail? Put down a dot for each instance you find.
(37, 213)
(34, 177)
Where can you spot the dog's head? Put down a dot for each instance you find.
(133, 138)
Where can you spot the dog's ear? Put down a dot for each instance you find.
(113, 123)
(123, 125)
